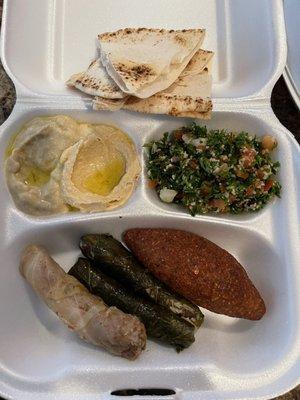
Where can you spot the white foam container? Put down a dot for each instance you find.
(43, 42)
(292, 70)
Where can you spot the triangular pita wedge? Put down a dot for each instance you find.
(179, 97)
(101, 104)
(96, 82)
(188, 94)
(200, 61)
(107, 90)
(145, 61)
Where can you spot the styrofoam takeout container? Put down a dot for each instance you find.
(43, 43)
(292, 70)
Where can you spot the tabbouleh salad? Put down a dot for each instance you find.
(213, 170)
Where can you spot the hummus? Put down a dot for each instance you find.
(57, 164)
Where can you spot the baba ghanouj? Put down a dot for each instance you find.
(57, 164)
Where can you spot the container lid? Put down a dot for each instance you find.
(45, 42)
(292, 71)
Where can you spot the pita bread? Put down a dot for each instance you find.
(195, 78)
(145, 61)
(102, 104)
(200, 61)
(182, 98)
(200, 115)
(189, 93)
(96, 82)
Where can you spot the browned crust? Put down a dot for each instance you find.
(112, 36)
(177, 105)
(135, 72)
(197, 269)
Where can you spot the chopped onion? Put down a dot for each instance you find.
(199, 141)
(187, 138)
(167, 195)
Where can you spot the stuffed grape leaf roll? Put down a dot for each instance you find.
(160, 323)
(115, 260)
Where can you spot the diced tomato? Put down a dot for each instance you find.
(241, 174)
(218, 203)
(193, 164)
(249, 157)
(249, 191)
(152, 184)
(178, 135)
(249, 152)
(222, 189)
(260, 174)
(268, 185)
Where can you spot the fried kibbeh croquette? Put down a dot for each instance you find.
(197, 269)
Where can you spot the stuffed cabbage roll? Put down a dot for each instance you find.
(87, 315)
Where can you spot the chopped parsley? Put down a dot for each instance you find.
(213, 170)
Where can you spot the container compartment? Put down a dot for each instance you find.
(21, 116)
(59, 39)
(49, 352)
(232, 122)
(144, 128)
